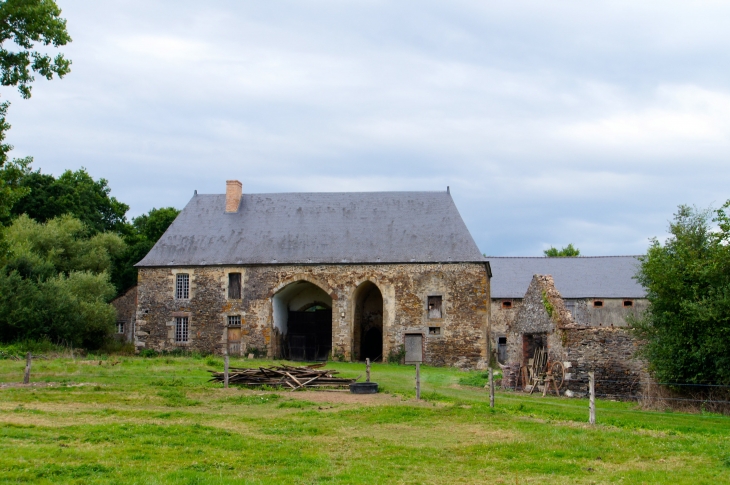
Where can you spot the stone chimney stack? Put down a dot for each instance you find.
(234, 189)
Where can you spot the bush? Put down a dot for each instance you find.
(397, 355)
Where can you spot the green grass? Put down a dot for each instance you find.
(157, 420)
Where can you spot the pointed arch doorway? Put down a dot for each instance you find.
(368, 323)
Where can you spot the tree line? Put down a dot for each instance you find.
(66, 246)
(68, 250)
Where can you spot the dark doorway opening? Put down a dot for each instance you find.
(530, 343)
(302, 322)
(368, 328)
(310, 334)
(502, 350)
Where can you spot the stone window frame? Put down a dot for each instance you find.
(225, 281)
(182, 330)
(172, 332)
(120, 327)
(630, 302)
(507, 304)
(192, 286)
(228, 285)
(428, 310)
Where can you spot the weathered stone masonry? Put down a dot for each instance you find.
(608, 351)
(462, 331)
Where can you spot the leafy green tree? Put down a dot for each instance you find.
(75, 193)
(567, 251)
(26, 23)
(687, 278)
(55, 282)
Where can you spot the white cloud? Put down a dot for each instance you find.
(553, 122)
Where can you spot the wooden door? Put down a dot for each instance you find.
(234, 340)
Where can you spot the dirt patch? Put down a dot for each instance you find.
(342, 397)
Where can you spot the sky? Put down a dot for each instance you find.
(551, 122)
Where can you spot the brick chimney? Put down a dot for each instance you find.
(234, 189)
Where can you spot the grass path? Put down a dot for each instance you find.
(158, 421)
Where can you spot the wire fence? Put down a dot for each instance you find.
(647, 393)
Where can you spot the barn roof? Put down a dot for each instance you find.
(579, 277)
(311, 228)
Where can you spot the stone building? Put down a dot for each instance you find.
(320, 275)
(126, 307)
(581, 329)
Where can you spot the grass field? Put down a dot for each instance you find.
(158, 420)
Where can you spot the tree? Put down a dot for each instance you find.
(567, 251)
(75, 193)
(687, 279)
(25, 24)
(55, 282)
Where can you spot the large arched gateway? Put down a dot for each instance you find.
(368, 323)
(303, 320)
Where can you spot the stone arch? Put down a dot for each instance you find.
(302, 321)
(367, 322)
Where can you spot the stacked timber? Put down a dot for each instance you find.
(310, 377)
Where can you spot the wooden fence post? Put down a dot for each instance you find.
(367, 370)
(491, 387)
(418, 381)
(592, 400)
(26, 376)
(225, 371)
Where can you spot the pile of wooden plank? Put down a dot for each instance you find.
(310, 377)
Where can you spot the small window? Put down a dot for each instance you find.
(597, 303)
(434, 307)
(234, 320)
(181, 329)
(628, 303)
(506, 304)
(182, 287)
(234, 286)
(120, 327)
(434, 330)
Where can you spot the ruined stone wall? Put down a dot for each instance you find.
(541, 311)
(610, 353)
(126, 307)
(462, 331)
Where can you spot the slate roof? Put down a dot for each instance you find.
(311, 228)
(580, 277)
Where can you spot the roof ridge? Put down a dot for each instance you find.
(566, 257)
(344, 192)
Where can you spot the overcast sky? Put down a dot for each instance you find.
(553, 122)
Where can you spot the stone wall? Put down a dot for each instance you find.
(609, 351)
(126, 307)
(461, 337)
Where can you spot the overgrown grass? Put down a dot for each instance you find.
(158, 420)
